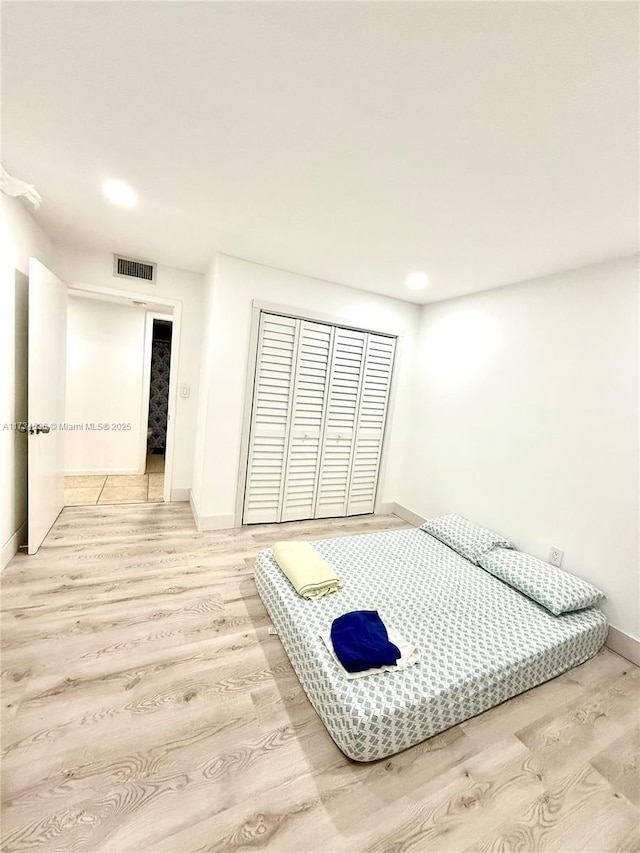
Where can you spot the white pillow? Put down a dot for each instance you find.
(553, 588)
(468, 539)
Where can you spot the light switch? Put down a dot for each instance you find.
(185, 390)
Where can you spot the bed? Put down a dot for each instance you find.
(480, 641)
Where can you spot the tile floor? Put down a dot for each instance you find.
(87, 489)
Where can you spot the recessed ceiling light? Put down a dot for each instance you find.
(417, 280)
(120, 193)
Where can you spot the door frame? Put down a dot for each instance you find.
(257, 308)
(146, 394)
(46, 403)
(159, 303)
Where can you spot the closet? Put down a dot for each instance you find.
(319, 409)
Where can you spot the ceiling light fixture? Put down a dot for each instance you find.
(120, 193)
(416, 281)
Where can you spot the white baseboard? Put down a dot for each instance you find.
(99, 472)
(180, 495)
(10, 547)
(623, 644)
(216, 522)
(210, 522)
(407, 515)
(194, 509)
(386, 509)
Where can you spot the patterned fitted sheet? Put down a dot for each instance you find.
(480, 641)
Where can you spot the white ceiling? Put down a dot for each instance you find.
(483, 143)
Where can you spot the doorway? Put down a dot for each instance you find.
(160, 333)
(107, 340)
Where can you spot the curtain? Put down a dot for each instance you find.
(159, 395)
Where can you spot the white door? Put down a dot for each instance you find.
(307, 419)
(46, 400)
(320, 402)
(372, 416)
(343, 398)
(270, 417)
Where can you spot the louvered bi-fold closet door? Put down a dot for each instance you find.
(307, 420)
(270, 418)
(343, 398)
(372, 415)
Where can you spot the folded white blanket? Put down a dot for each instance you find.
(310, 574)
(408, 655)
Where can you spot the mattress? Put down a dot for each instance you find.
(480, 641)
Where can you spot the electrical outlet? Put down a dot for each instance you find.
(555, 556)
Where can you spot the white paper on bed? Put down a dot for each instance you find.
(408, 655)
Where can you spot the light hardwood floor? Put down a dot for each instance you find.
(145, 708)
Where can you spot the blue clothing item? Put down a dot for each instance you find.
(360, 641)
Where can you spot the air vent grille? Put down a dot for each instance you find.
(130, 268)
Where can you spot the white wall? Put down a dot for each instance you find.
(79, 266)
(105, 385)
(232, 285)
(204, 380)
(525, 419)
(20, 238)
